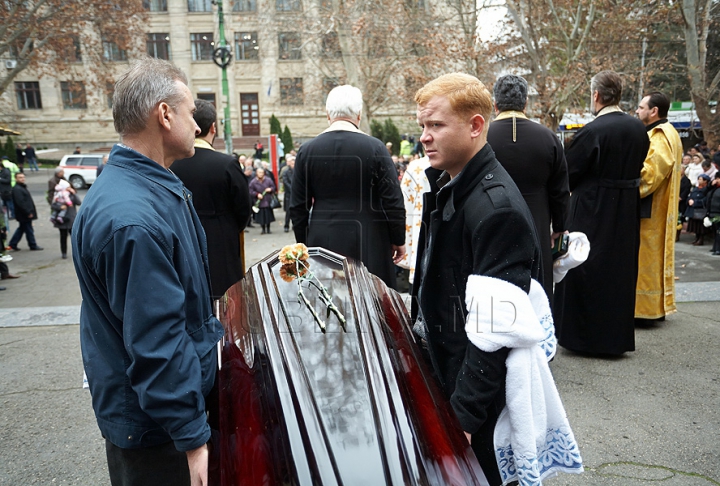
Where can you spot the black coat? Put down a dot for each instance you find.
(349, 181)
(595, 303)
(287, 178)
(536, 163)
(24, 206)
(221, 199)
(70, 214)
(478, 225)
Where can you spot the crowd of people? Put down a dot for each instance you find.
(463, 208)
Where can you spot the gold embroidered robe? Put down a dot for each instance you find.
(655, 293)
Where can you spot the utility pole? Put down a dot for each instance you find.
(642, 71)
(222, 57)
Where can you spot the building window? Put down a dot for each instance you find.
(28, 95)
(207, 97)
(113, 53)
(330, 46)
(155, 5)
(158, 45)
(246, 46)
(69, 49)
(291, 91)
(328, 85)
(109, 92)
(244, 6)
(289, 45)
(199, 5)
(288, 5)
(73, 95)
(202, 46)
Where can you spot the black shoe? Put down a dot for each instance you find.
(716, 253)
(268, 231)
(37, 248)
(2, 288)
(287, 230)
(64, 256)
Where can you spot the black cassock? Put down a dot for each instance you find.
(222, 201)
(348, 180)
(595, 303)
(536, 163)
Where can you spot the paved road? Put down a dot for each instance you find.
(651, 416)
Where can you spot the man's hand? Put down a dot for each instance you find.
(398, 253)
(260, 196)
(198, 465)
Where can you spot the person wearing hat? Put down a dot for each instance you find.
(696, 211)
(7, 182)
(542, 178)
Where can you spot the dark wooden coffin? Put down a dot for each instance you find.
(340, 407)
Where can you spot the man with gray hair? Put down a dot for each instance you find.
(349, 182)
(147, 331)
(534, 158)
(595, 302)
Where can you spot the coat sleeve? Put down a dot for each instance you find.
(507, 255)
(558, 190)
(239, 194)
(301, 199)
(582, 156)
(385, 182)
(658, 165)
(165, 370)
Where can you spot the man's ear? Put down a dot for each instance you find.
(164, 115)
(477, 125)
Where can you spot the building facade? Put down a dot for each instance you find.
(285, 60)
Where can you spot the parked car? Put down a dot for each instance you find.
(81, 169)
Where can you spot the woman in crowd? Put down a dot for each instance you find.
(696, 209)
(261, 190)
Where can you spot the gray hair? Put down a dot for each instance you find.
(139, 90)
(608, 84)
(58, 170)
(344, 102)
(510, 93)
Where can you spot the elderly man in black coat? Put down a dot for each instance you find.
(25, 213)
(221, 198)
(534, 158)
(349, 182)
(595, 302)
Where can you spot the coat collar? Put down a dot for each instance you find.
(342, 125)
(448, 191)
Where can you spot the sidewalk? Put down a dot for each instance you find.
(648, 416)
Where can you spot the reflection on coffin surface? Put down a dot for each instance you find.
(351, 404)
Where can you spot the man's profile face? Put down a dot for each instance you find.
(20, 177)
(446, 135)
(184, 129)
(644, 112)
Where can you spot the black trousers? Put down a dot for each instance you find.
(63, 240)
(161, 465)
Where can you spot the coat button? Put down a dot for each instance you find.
(488, 177)
(129, 437)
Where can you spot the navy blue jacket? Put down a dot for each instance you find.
(147, 331)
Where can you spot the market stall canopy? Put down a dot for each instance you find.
(7, 131)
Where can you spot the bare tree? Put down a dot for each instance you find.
(49, 37)
(697, 16)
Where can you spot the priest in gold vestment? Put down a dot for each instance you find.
(660, 181)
